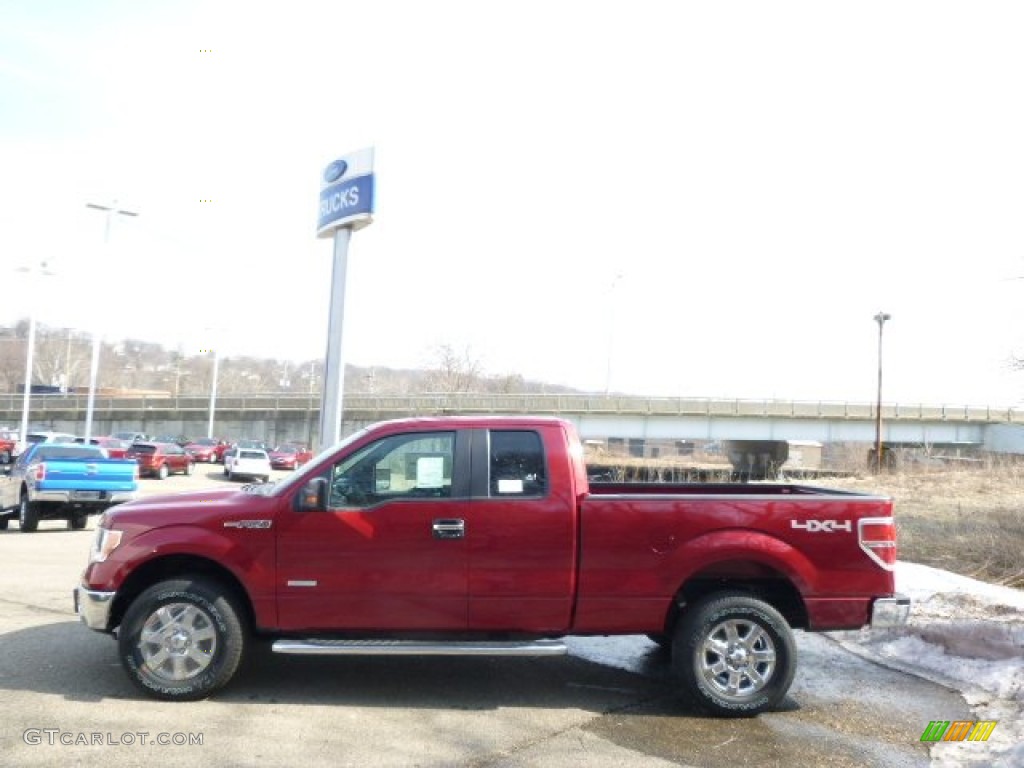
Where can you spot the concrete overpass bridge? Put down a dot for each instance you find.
(748, 426)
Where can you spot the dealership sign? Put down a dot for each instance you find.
(346, 193)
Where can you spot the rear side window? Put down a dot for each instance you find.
(251, 455)
(517, 466)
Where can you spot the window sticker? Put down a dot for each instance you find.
(430, 472)
(510, 486)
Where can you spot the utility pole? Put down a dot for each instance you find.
(880, 318)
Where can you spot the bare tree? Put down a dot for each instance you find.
(455, 372)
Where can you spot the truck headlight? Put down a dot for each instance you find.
(106, 541)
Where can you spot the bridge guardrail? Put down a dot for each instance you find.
(11, 404)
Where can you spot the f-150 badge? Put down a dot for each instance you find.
(828, 526)
(248, 523)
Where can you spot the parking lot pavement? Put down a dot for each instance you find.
(67, 701)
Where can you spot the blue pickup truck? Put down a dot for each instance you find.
(65, 482)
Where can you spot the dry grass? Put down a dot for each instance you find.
(969, 520)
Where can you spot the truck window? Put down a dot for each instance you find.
(517, 466)
(417, 465)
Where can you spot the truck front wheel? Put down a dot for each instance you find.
(181, 639)
(734, 654)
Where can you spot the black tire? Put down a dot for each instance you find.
(230, 474)
(3, 523)
(163, 472)
(78, 520)
(195, 639)
(28, 515)
(734, 655)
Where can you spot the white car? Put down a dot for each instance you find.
(247, 462)
(41, 437)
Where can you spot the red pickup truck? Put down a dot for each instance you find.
(482, 536)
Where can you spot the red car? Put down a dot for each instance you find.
(206, 449)
(8, 440)
(115, 448)
(289, 456)
(160, 459)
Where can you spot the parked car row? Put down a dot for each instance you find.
(162, 455)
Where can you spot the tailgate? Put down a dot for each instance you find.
(97, 475)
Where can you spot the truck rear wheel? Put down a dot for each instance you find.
(182, 639)
(735, 655)
(78, 521)
(28, 515)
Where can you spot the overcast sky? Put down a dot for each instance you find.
(662, 198)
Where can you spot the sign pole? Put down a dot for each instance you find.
(334, 361)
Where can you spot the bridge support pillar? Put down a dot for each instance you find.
(756, 459)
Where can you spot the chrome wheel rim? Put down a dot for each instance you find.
(178, 641)
(736, 659)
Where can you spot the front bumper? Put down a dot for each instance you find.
(890, 611)
(93, 608)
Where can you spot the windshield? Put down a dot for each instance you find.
(310, 468)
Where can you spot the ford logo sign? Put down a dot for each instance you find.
(335, 171)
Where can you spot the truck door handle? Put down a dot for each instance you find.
(449, 529)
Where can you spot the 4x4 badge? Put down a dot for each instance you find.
(828, 526)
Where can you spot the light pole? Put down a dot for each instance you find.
(213, 391)
(611, 334)
(94, 366)
(880, 318)
(41, 269)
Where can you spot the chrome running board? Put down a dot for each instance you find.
(317, 647)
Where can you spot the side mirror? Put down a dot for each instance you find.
(313, 495)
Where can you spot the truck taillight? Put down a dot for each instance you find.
(40, 471)
(877, 537)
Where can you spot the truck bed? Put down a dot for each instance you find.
(714, 489)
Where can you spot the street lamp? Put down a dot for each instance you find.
(611, 334)
(880, 318)
(213, 390)
(40, 269)
(94, 366)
